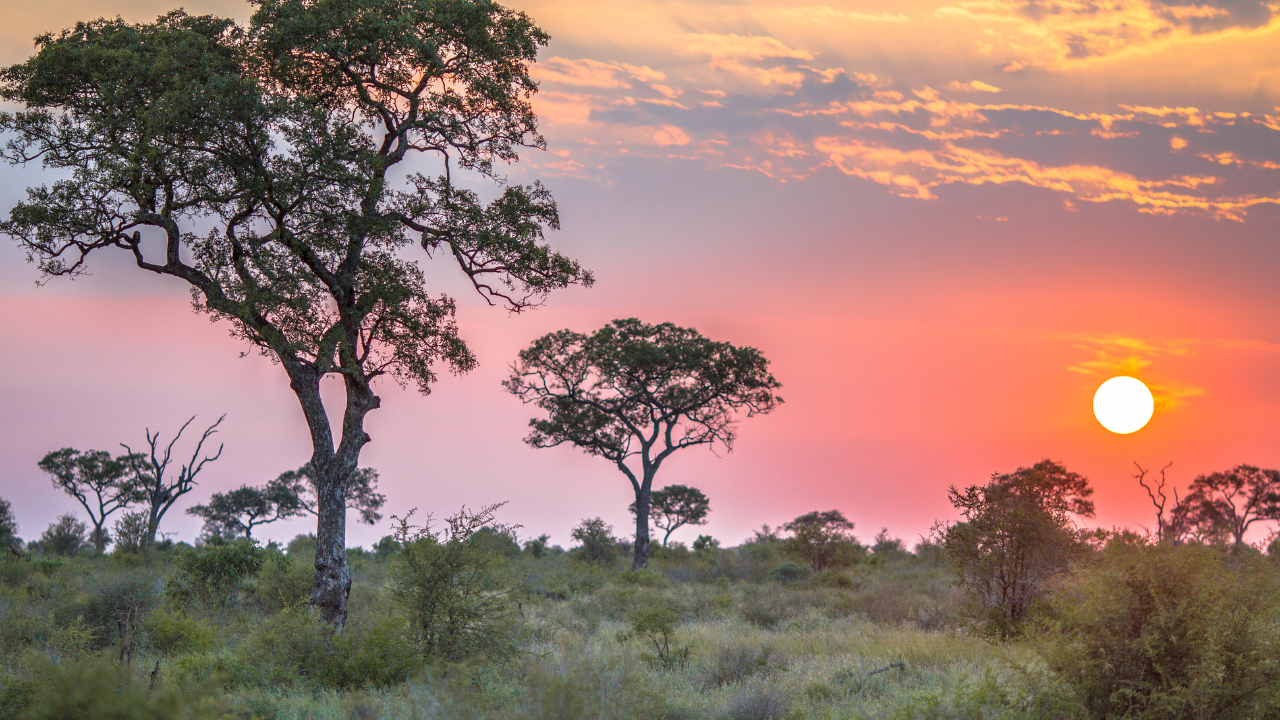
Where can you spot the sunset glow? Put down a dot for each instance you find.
(950, 225)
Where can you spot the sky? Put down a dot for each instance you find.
(944, 223)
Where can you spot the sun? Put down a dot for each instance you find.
(1123, 405)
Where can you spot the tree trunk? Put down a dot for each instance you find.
(640, 558)
(332, 584)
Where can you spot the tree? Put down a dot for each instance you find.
(822, 539)
(362, 495)
(1227, 503)
(234, 514)
(675, 506)
(9, 539)
(599, 546)
(65, 536)
(99, 482)
(1016, 534)
(632, 391)
(157, 490)
(267, 163)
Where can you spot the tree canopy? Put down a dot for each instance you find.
(261, 165)
(675, 506)
(636, 393)
(100, 483)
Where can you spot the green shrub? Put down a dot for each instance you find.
(599, 546)
(554, 578)
(64, 537)
(640, 578)
(832, 578)
(789, 572)
(115, 611)
(995, 697)
(758, 704)
(284, 581)
(1170, 632)
(765, 609)
(216, 575)
(448, 583)
(736, 663)
(302, 546)
(94, 688)
(174, 631)
(653, 623)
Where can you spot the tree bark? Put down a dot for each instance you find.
(640, 556)
(332, 584)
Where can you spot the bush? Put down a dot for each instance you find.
(736, 663)
(65, 536)
(654, 624)
(789, 573)
(216, 574)
(130, 533)
(759, 704)
(1169, 632)
(295, 645)
(10, 543)
(95, 689)
(116, 610)
(823, 540)
(765, 609)
(284, 581)
(832, 578)
(448, 583)
(172, 631)
(599, 546)
(995, 698)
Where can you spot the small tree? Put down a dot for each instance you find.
(9, 540)
(599, 546)
(64, 537)
(131, 531)
(362, 495)
(1016, 534)
(447, 580)
(1227, 503)
(158, 490)
(675, 506)
(822, 539)
(100, 483)
(234, 514)
(632, 392)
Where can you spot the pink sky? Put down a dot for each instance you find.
(945, 223)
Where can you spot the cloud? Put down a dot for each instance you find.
(1118, 355)
(1061, 34)
(974, 86)
(593, 73)
(749, 55)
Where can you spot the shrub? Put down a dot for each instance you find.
(736, 663)
(131, 533)
(537, 547)
(654, 624)
(94, 689)
(295, 645)
(832, 578)
(116, 610)
(283, 581)
(172, 631)
(448, 583)
(641, 578)
(765, 609)
(302, 546)
(216, 575)
(995, 698)
(789, 573)
(65, 536)
(599, 546)
(1169, 632)
(823, 540)
(758, 704)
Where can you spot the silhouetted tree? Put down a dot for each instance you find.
(1016, 533)
(822, 539)
(9, 540)
(269, 161)
(100, 483)
(235, 513)
(599, 546)
(362, 495)
(675, 506)
(636, 391)
(156, 488)
(65, 536)
(1227, 503)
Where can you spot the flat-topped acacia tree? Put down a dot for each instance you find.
(264, 166)
(636, 393)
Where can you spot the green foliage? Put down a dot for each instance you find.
(789, 572)
(130, 532)
(173, 631)
(296, 489)
(1169, 632)
(284, 581)
(296, 645)
(640, 578)
(653, 622)
(448, 583)
(235, 513)
(996, 697)
(675, 506)
(64, 537)
(537, 547)
(302, 547)
(598, 545)
(823, 540)
(100, 483)
(737, 662)
(94, 688)
(1016, 535)
(216, 574)
(117, 609)
(10, 543)
(705, 544)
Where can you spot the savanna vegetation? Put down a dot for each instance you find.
(261, 165)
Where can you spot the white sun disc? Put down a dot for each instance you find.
(1123, 405)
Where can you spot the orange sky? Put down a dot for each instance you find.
(945, 223)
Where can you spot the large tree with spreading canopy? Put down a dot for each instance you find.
(268, 167)
(634, 394)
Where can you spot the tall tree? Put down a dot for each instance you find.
(632, 392)
(362, 494)
(157, 489)
(1017, 532)
(235, 513)
(676, 506)
(264, 166)
(1228, 503)
(100, 483)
